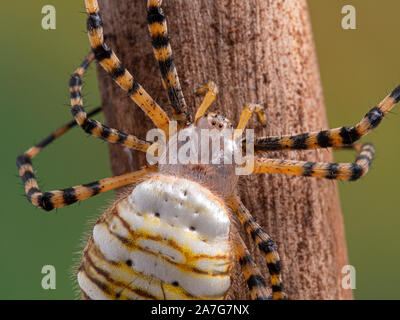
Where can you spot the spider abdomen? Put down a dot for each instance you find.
(169, 239)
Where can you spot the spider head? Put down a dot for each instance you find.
(213, 121)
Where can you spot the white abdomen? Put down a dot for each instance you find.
(169, 239)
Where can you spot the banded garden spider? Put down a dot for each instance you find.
(138, 249)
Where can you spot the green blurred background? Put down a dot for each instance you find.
(358, 68)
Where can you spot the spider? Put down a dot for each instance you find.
(171, 235)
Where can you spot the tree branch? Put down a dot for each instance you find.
(255, 51)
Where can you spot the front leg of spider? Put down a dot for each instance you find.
(336, 138)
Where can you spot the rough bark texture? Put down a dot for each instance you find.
(256, 51)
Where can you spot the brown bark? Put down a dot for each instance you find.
(256, 51)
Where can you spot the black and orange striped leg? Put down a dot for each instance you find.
(112, 65)
(59, 132)
(210, 90)
(94, 127)
(334, 137)
(264, 243)
(252, 274)
(33, 151)
(338, 171)
(60, 198)
(162, 50)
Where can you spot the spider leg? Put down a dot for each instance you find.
(334, 137)
(162, 50)
(264, 243)
(56, 134)
(338, 171)
(60, 198)
(252, 274)
(33, 151)
(94, 127)
(211, 91)
(111, 64)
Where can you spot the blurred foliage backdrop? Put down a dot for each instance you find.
(358, 68)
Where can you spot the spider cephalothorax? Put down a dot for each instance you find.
(214, 121)
(170, 236)
(205, 151)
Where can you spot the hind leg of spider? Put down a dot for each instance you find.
(338, 171)
(33, 151)
(252, 275)
(112, 65)
(334, 137)
(157, 25)
(264, 243)
(94, 127)
(60, 198)
(211, 91)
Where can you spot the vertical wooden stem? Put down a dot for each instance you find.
(257, 51)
